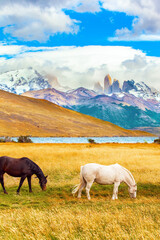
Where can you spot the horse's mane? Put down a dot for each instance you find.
(33, 167)
(129, 173)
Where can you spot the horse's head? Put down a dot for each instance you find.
(43, 183)
(133, 191)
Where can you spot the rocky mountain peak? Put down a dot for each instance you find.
(98, 88)
(128, 85)
(107, 84)
(116, 86)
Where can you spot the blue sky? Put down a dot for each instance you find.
(112, 36)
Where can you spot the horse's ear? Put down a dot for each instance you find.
(46, 176)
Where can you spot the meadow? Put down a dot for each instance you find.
(56, 214)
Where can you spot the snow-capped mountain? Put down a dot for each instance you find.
(124, 109)
(130, 106)
(138, 89)
(81, 96)
(28, 79)
(141, 90)
(22, 80)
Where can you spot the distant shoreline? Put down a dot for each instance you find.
(84, 140)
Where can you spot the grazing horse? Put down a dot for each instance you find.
(112, 174)
(21, 167)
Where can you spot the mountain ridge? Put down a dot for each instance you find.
(27, 79)
(22, 115)
(107, 103)
(123, 109)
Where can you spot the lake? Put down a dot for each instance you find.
(96, 139)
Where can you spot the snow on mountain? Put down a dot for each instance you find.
(124, 109)
(132, 105)
(140, 90)
(143, 91)
(85, 96)
(28, 79)
(22, 80)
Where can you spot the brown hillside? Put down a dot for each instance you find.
(21, 115)
(153, 130)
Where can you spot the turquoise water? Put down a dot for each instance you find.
(96, 139)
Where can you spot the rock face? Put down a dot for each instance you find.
(98, 88)
(116, 86)
(53, 81)
(110, 87)
(107, 84)
(128, 85)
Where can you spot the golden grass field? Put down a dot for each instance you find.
(56, 214)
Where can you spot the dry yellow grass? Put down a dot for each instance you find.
(21, 115)
(56, 214)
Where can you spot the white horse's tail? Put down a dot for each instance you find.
(77, 187)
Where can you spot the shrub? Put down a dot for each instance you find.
(2, 140)
(6, 139)
(91, 141)
(24, 139)
(157, 140)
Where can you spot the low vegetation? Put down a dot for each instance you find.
(157, 140)
(5, 139)
(21, 139)
(56, 214)
(90, 140)
(24, 139)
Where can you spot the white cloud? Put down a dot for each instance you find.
(83, 66)
(138, 62)
(38, 19)
(127, 35)
(34, 23)
(76, 5)
(11, 49)
(30, 20)
(146, 23)
(87, 6)
(143, 68)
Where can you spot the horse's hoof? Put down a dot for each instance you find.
(17, 193)
(5, 192)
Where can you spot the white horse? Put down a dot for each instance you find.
(112, 174)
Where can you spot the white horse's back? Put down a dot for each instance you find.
(102, 174)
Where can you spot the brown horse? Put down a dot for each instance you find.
(21, 167)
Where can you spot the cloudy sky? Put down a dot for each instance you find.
(80, 41)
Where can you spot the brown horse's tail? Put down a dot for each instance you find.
(82, 182)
